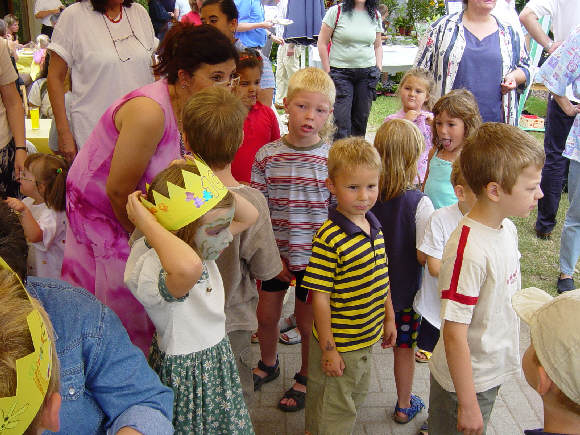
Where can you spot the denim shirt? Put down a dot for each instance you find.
(105, 381)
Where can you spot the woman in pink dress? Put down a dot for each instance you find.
(137, 137)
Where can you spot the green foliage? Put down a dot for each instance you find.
(536, 106)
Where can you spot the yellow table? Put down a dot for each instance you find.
(39, 137)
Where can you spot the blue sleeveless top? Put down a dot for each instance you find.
(438, 186)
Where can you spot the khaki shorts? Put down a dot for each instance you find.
(443, 409)
(332, 402)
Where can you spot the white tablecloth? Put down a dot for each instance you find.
(396, 58)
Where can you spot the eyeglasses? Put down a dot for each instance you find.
(124, 38)
(231, 83)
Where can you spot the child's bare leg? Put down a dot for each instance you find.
(268, 313)
(304, 317)
(404, 369)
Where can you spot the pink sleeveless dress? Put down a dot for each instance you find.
(97, 247)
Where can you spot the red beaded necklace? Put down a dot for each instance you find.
(119, 18)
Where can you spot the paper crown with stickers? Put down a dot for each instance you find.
(33, 373)
(187, 204)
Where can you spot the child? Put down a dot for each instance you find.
(42, 212)
(27, 357)
(552, 361)
(291, 174)
(348, 277)
(430, 247)
(212, 123)
(415, 93)
(456, 117)
(39, 56)
(261, 125)
(480, 272)
(402, 212)
(172, 272)
(38, 94)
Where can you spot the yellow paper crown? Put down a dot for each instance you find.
(187, 204)
(32, 377)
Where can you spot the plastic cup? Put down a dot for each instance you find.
(35, 118)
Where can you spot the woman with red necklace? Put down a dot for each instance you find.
(108, 45)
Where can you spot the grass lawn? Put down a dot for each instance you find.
(539, 262)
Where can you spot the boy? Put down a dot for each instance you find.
(348, 276)
(552, 362)
(430, 251)
(291, 173)
(479, 273)
(213, 121)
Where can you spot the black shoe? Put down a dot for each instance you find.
(565, 285)
(543, 236)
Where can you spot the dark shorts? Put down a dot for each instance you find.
(407, 322)
(275, 285)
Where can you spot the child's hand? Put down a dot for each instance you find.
(15, 204)
(389, 334)
(285, 275)
(136, 212)
(411, 115)
(429, 119)
(469, 420)
(332, 363)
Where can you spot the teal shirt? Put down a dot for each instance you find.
(353, 38)
(438, 186)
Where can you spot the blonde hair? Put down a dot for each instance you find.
(399, 143)
(427, 78)
(499, 153)
(213, 122)
(314, 80)
(459, 103)
(15, 338)
(173, 175)
(42, 41)
(351, 152)
(50, 171)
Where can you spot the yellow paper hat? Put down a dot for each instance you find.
(33, 373)
(187, 204)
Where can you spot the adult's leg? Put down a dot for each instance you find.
(267, 84)
(558, 126)
(281, 75)
(570, 243)
(365, 84)
(342, 78)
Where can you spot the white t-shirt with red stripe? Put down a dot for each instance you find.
(479, 274)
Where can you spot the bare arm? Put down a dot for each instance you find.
(43, 14)
(434, 266)
(55, 84)
(389, 327)
(181, 263)
(244, 27)
(32, 230)
(421, 257)
(140, 123)
(15, 114)
(379, 51)
(566, 105)
(332, 363)
(469, 418)
(245, 215)
(529, 20)
(322, 44)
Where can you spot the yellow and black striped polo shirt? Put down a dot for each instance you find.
(352, 267)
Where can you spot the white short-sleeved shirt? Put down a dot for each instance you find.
(186, 325)
(184, 8)
(37, 98)
(438, 230)
(102, 71)
(478, 277)
(46, 5)
(45, 257)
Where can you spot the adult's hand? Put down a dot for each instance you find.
(508, 84)
(566, 105)
(67, 146)
(554, 47)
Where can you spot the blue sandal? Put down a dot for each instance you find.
(416, 406)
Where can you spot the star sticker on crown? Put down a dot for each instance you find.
(187, 204)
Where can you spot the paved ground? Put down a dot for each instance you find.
(518, 407)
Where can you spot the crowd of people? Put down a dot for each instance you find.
(140, 260)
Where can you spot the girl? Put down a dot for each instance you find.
(38, 94)
(400, 143)
(172, 272)
(261, 125)
(42, 212)
(415, 93)
(456, 117)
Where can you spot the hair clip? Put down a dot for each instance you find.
(59, 170)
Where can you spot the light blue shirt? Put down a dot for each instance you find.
(105, 381)
(560, 70)
(251, 11)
